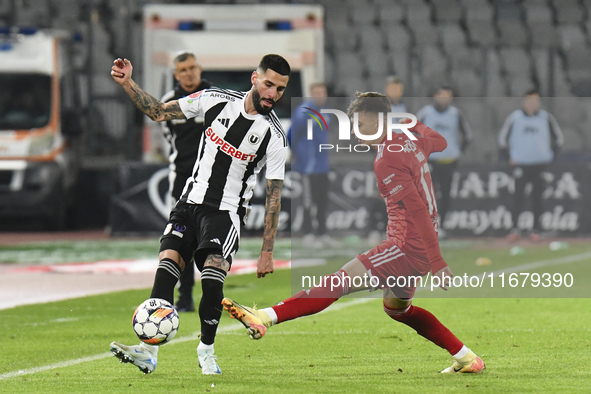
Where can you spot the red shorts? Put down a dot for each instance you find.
(398, 269)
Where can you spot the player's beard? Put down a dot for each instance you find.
(256, 101)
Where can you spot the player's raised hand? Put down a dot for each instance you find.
(265, 264)
(121, 70)
(445, 275)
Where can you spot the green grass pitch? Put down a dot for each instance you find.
(528, 344)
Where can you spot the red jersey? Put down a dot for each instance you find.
(401, 168)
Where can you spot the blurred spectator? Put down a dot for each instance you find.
(184, 137)
(529, 140)
(448, 121)
(312, 164)
(395, 91)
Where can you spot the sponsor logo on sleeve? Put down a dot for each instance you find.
(396, 189)
(388, 179)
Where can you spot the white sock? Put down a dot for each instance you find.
(272, 315)
(463, 351)
(203, 346)
(151, 348)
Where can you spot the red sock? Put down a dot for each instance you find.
(427, 326)
(308, 302)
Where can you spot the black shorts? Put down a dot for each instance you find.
(195, 231)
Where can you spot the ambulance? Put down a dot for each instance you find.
(39, 128)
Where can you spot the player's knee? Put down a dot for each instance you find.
(172, 255)
(398, 314)
(340, 280)
(216, 261)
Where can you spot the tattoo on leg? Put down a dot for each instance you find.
(217, 261)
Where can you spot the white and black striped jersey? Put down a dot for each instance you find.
(232, 151)
(183, 136)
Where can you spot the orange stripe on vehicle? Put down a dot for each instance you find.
(47, 157)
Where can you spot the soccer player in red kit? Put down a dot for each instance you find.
(410, 250)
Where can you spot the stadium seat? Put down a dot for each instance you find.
(418, 13)
(571, 35)
(578, 57)
(465, 58)
(370, 37)
(400, 61)
(466, 83)
(483, 13)
(495, 85)
(515, 61)
(512, 33)
(470, 4)
(353, 84)
(519, 84)
(343, 38)
(543, 35)
(335, 14)
(447, 11)
(482, 33)
(424, 33)
(452, 36)
(397, 37)
(376, 82)
(376, 62)
(541, 62)
(538, 13)
(362, 13)
(329, 69)
(391, 14)
(562, 86)
(348, 65)
(432, 59)
(508, 11)
(568, 11)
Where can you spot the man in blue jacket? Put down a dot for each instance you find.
(307, 160)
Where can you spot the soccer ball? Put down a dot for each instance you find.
(155, 321)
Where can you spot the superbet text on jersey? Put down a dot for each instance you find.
(232, 151)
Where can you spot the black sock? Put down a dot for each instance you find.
(187, 282)
(167, 274)
(210, 307)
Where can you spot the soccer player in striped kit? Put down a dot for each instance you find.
(410, 250)
(242, 134)
(184, 136)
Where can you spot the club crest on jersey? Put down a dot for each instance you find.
(227, 148)
(409, 146)
(253, 139)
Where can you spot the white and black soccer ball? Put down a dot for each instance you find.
(155, 321)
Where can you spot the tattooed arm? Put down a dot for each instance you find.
(153, 108)
(272, 211)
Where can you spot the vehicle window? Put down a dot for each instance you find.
(25, 101)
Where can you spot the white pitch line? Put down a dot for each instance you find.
(234, 327)
(61, 364)
(194, 336)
